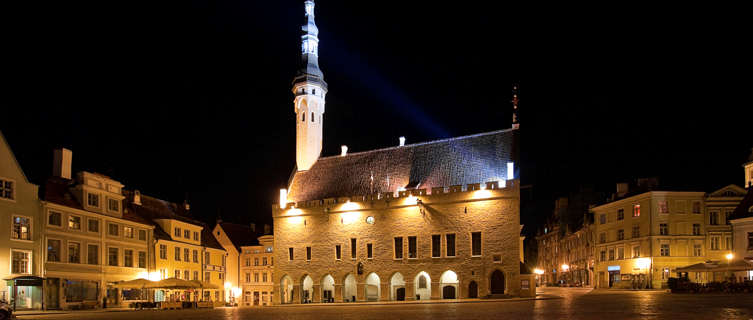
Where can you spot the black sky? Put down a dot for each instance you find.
(179, 98)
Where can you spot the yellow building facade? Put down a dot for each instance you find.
(257, 272)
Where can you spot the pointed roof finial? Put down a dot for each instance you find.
(515, 123)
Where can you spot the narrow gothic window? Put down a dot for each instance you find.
(312, 117)
(303, 117)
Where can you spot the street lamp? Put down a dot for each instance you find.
(729, 257)
(565, 267)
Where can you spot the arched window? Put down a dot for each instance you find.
(303, 118)
(422, 282)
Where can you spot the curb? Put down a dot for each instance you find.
(385, 303)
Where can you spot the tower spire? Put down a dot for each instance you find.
(310, 90)
(515, 101)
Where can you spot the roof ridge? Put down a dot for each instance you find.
(421, 143)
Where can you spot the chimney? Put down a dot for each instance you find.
(186, 205)
(622, 189)
(253, 227)
(267, 229)
(402, 141)
(344, 150)
(137, 197)
(61, 163)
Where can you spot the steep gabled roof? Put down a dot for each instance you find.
(58, 190)
(743, 209)
(13, 156)
(208, 239)
(456, 161)
(241, 235)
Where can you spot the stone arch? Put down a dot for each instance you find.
(422, 286)
(497, 282)
(372, 288)
(286, 289)
(328, 288)
(448, 285)
(350, 289)
(397, 287)
(307, 289)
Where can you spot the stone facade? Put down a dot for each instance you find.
(376, 221)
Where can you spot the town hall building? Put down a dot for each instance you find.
(432, 220)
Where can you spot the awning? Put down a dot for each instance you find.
(31, 281)
(205, 285)
(133, 284)
(700, 267)
(173, 283)
(739, 265)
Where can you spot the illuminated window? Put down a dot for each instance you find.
(74, 223)
(20, 262)
(128, 232)
(21, 229)
(636, 210)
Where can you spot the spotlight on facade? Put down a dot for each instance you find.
(729, 256)
(565, 267)
(538, 271)
(642, 263)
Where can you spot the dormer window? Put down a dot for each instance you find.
(92, 200)
(113, 205)
(177, 232)
(187, 234)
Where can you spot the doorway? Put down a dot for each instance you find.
(400, 294)
(473, 290)
(497, 282)
(448, 292)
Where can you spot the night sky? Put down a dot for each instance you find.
(192, 98)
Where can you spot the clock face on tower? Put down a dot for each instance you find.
(370, 220)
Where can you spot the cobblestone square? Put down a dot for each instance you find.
(553, 303)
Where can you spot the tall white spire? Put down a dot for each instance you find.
(310, 90)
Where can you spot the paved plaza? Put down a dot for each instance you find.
(553, 303)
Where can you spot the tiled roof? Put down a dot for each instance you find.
(476, 158)
(241, 235)
(153, 208)
(208, 239)
(58, 190)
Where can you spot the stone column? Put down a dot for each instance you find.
(338, 293)
(360, 292)
(410, 291)
(436, 291)
(384, 291)
(316, 296)
(296, 293)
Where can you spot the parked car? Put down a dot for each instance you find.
(5, 311)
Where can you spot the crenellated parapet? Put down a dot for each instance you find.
(402, 198)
